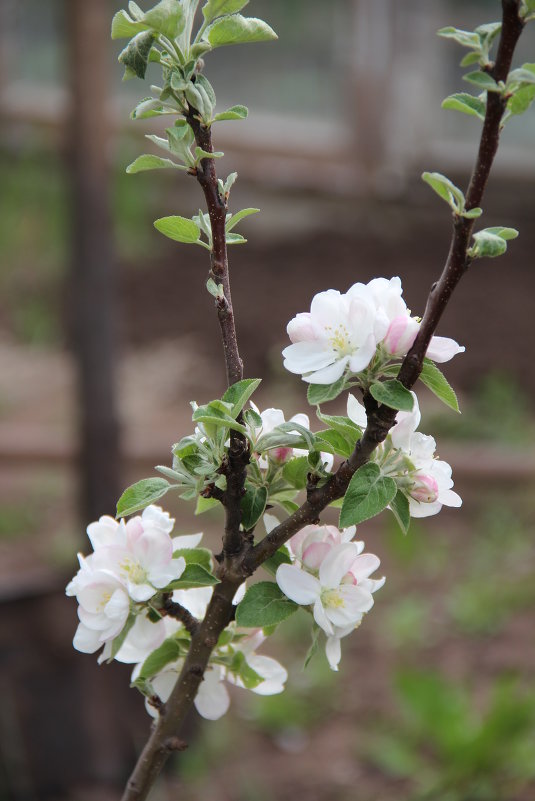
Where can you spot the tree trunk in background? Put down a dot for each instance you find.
(93, 290)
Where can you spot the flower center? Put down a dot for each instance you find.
(134, 571)
(104, 598)
(331, 599)
(339, 339)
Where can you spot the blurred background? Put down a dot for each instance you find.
(106, 334)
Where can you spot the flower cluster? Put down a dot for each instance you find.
(331, 574)
(271, 420)
(131, 562)
(409, 458)
(345, 331)
(118, 588)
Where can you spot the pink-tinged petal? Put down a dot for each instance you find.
(406, 424)
(212, 699)
(417, 509)
(303, 357)
(153, 548)
(143, 638)
(364, 565)
(329, 374)
(162, 576)
(186, 541)
(86, 640)
(140, 592)
(356, 601)
(104, 532)
(154, 516)
(361, 359)
(356, 411)
(195, 601)
(95, 622)
(333, 652)
(301, 329)
(118, 606)
(326, 308)
(450, 498)
(298, 585)
(314, 554)
(321, 618)
(301, 419)
(336, 564)
(271, 418)
(442, 349)
(401, 334)
(372, 585)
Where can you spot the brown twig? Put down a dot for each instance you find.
(179, 612)
(382, 418)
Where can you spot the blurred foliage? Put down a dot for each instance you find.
(452, 749)
(498, 411)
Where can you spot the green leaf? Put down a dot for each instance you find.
(280, 557)
(236, 29)
(487, 245)
(466, 103)
(123, 27)
(119, 640)
(321, 393)
(135, 56)
(472, 214)
(343, 425)
(167, 17)
(150, 162)
(482, 80)
(502, 232)
(295, 472)
(180, 229)
(195, 556)
(400, 507)
(214, 414)
(205, 505)
(239, 393)
(168, 652)
(233, 113)
(235, 219)
(393, 394)
(151, 107)
(471, 58)
(217, 8)
(193, 576)
(521, 100)
(235, 239)
(264, 605)
(436, 381)
(445, 189)
(464, 38)
(367, 495)
(331, 440)
(253, 505)
(201, 154)
(521, 76)
(141, 494)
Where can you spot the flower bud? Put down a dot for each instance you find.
(424, 489)
(401, 335)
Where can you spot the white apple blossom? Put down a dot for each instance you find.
(411, 462)
(338, 333)
(212, 699)
(337, 599)
(311, 545)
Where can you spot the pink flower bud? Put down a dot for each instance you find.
(301, 329)
(401, 335)
(424, 489)
(280, 455)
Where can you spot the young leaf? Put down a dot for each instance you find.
(393, 394)
(217, 8)
(167, 652)
(122, 27)
(502, 232)
(466, 103)
(236, 29)
(205, 505)
(167, 17)
(295, 472)
(233, 113)
(214, 414)
(233, 221)
(150, 162)
(141, 494)
(264, 605)
(238, 394)
(482, 80)
(195, 556)
(487, 244)
(253, 505)
(399, 505)
(280, 557)
(521, 100)
(367, 495)
(464, 38)
(135, 56)
(180, 229)
(235, 239)
(472, 214)
(333, 441)
(435, 381)
(445, 189)
(321, 393)
(194, 576)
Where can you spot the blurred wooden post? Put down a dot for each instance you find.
(93, 273)
(371, 75)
